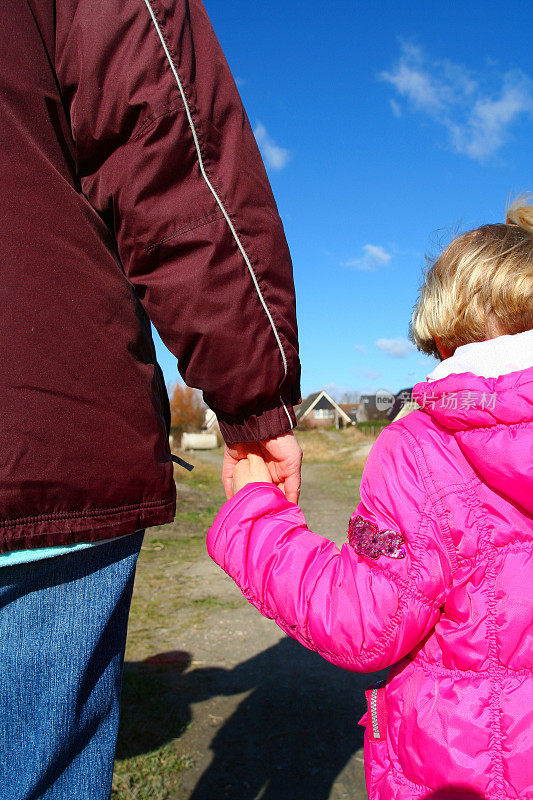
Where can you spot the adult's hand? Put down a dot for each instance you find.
(282, 455)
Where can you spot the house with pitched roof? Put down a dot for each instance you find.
(319, 410)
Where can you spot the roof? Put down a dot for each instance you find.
(304, 407)
(210, 419)
(318, 397)
(351, 409)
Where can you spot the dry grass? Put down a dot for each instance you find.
(348, 446)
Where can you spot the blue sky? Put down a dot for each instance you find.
(384, 127)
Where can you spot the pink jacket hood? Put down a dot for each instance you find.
(484, 394)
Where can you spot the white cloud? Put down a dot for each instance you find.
(374, 256)
(486, 128)
(415, 83)
(275, 156)
(477, 111)
(396, 110)
(397, 348)
(360, 348)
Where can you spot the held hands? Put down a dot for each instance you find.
(281, 457)
(251, 469)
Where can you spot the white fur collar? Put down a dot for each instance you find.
(489, 359)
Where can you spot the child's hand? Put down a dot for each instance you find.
(251, 469)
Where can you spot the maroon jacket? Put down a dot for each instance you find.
(131, 189)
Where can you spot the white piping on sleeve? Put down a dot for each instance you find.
(215, 195)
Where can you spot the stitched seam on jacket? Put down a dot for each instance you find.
(487, 546)
(94, 512)
(189, 108)
(192, 226)
(496, 675)
(496, 670)
(499, 426)
(515, 546)
(454, 488)
(484, 544)
(484, 550)
(440, 670)
(147, 123)
(419, 545)
(430, 488)
(488, 552)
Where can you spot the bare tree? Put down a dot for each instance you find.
(351, 397)
(187, 409)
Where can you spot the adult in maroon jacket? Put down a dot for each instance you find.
(131, 190)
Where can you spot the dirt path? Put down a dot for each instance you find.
(259, 715)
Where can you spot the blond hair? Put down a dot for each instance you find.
(480, 287)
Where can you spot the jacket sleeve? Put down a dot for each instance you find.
(358, 612)
(166, 156)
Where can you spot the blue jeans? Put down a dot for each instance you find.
(63, 625)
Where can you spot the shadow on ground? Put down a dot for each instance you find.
(290, 737)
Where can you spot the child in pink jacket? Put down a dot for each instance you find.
(436, 579)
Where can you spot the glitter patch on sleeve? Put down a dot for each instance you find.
(367, 540)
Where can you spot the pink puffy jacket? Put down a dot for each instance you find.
(437, 580)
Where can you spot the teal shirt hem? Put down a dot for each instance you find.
(28, 556)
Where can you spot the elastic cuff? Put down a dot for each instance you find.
(259, 427)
